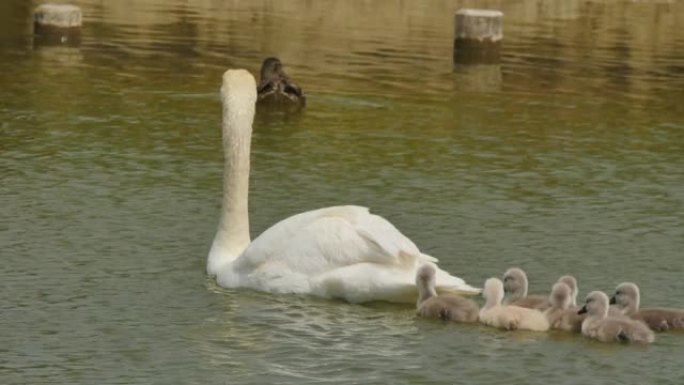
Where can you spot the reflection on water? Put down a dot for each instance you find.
(567, 156)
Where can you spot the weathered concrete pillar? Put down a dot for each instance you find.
(478, 36)
(57, 24)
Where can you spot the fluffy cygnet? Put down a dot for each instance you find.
(450, 307)
(572, 284)
(627, 299)
(508, 317)
(515, 288)
(562, 315)
(598, 325)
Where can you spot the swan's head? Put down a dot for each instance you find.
(561, 295)
(493, 291)
(572, 284)
(515, 282)
(238, 91)
(596, 304)
(626, 295)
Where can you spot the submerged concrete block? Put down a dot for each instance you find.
(57, 23)
(478, 35)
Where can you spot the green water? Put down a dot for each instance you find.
(568, 157)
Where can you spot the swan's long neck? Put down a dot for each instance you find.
(232, 237)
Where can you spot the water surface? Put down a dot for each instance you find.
(567, 157)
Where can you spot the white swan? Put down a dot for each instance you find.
(335, 252)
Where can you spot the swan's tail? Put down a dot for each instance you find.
(447, 283)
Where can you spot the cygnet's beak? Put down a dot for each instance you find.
(613, 300)
(582, 310)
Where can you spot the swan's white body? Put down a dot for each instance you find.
(335, 252)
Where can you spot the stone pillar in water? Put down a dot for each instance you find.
(57, 24)
(478, 36)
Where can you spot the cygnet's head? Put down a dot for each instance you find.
(493, 291)
(425, 282)
(515, 282)
(425, 275)
(596, 304)
(561, 296)
(626, 295)
(574, 289)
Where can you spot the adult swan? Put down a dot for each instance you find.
(335, 252)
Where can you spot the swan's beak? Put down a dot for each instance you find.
(613, 300)
(582, 310)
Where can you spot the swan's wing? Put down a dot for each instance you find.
(341, 251)
(325, 239)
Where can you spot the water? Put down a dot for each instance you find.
(566, 157)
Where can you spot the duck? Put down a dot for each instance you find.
(627, 298)
(341, 252)
(515, 289)
(601, 327)
(448, 306)
(275, 87)
(562, 315)
(508, 317)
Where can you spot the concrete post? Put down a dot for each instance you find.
(57, 24)
(478, 35)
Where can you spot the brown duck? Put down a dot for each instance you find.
(275, 87)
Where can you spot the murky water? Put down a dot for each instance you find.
(566, 157)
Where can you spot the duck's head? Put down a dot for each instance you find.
(270, 67)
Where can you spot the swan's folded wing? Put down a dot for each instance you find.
(330, 238)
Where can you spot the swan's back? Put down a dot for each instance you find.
(335, 252)
(303, 241)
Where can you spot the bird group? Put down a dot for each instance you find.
(509, 307)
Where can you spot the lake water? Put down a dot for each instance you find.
(567, 157)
